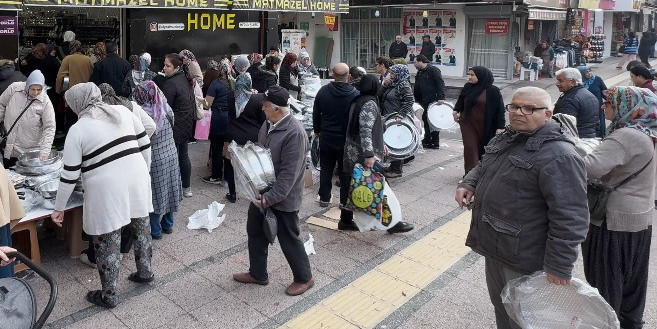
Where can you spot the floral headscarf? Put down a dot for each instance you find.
(401, 73)
(213, 65)
(255, 58)
(99, 50)
(243, 92)
(635, 108)
(109, 96)
(134, 61)
(153, 101)
(187, 56)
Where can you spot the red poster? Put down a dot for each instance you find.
(497, 26)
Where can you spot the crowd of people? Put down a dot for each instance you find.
(526, 182)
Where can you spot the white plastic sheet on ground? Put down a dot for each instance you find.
(309, 245)
(366, 222)
(208, 219)
(535, 303)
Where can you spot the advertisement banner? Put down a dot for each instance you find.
(8, 25)
(293, 40)
(439, 26)
(332, 6)
(589, 4)
(607, 4)
(497, 26)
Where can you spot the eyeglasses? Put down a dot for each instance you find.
(526, 110)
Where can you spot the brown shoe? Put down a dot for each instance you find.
(247, 278)
(297, 288)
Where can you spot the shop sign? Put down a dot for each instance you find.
(8, 25)
(589, 4)
(331, 21)
(156, 27)
(607, 4)
(548, 3)
(249, 25)
(497, 26)
(337, 6)
(304, 25)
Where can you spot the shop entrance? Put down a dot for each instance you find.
(488, 50)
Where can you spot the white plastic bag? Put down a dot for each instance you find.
(208, 219)
(535, 303)
(309, 246)
(366, 222)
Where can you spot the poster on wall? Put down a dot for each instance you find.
(293, 40)
(424, 30)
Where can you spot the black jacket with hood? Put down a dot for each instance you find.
(331, 112)
(263, 79)
(8, 74)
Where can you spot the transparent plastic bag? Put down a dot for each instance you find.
(534, 303)
(253, 174)
(30, 199)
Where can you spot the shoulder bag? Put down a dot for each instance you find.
(598, 194)
(4, 134)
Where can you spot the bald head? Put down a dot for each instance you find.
(341, 72)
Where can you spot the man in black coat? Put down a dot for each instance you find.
(577, 101)
(9, 74)
(112, 69)
(398, 49)
(429, 88)
(647, 46)
(330, 113)
(428, 47)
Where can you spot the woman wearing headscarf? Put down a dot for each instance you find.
(191, 66)
(596, 86)
(396, 98)
(165, 172)
(266, 75)
(11, 211)
(218, 99)
(616, 251)
(179, 94)
(109, 97)
(289, 75)
(245, 119)
(137, 75)
(26, 107)
(99, 147)
(241, 64)
(64, 50)
(479, 111)
(305, 65)
(255, 60)
(41, 59)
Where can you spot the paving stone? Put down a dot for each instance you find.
(149, 310)
(227, 311)
(102, 320)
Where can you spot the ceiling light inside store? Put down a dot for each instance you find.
(377, 13)
(425, 14)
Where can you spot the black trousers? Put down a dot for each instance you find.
(644, 55)
(288, 238)
(617, 264)
(217, 148)
(229, 175)
(345, 180)
(184, 163)
(330, 155)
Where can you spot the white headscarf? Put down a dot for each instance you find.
(69, 36)
(85, 99)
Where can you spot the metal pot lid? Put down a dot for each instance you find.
(440, 116)
(398, 136)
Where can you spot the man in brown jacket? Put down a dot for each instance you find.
(76, 66)
(286, 138)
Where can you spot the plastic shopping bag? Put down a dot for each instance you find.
(391, 207)
(533, 303)
(202, 131)
(366, 191)
(209, 218)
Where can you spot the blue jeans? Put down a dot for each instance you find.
(5, 240)
(159, 223)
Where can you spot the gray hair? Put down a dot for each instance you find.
(284, 109)
(571, 73)
(541, 95)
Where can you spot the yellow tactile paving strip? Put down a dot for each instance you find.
(371, 298)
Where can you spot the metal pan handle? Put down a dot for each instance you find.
(46, 276)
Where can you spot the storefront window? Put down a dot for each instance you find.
(488, 50)
(365, 37)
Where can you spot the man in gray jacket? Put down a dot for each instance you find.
(286, 138)
(530, 208)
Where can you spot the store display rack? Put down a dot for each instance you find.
(595, 52)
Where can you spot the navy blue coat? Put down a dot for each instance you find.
(583, 105)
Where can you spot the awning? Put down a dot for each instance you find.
(547, 15)
(331, 6)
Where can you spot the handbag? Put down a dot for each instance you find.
(4, 134)
(597, 195)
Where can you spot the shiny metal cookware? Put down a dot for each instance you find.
(31, 159)
(401, 137)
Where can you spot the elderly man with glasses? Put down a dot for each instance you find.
(578, 101)
(528, 199)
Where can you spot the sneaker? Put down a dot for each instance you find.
(232, 198)
(216, 181)
(84, 259)
(318, 200)
(187, 192)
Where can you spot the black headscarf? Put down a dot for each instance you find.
(368, 86)
(471, 92)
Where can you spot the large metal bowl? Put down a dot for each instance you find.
(31, 159)
(48, 190)
(266, 164)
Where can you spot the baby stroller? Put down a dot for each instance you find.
(17, 302)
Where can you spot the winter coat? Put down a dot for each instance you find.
(180, 96)
(429, 86)
(583, 105)
(369, 140)
(246, 127)
(49, 66)
(398, 50)
(331, 110)
(8, 74)
(284, 75)
(392, 100)
(112, 70)
(79, 69)
(35, 130)
(428, 49)
(631, 46)
(530, 207)
(288, 144)
(263, 79)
